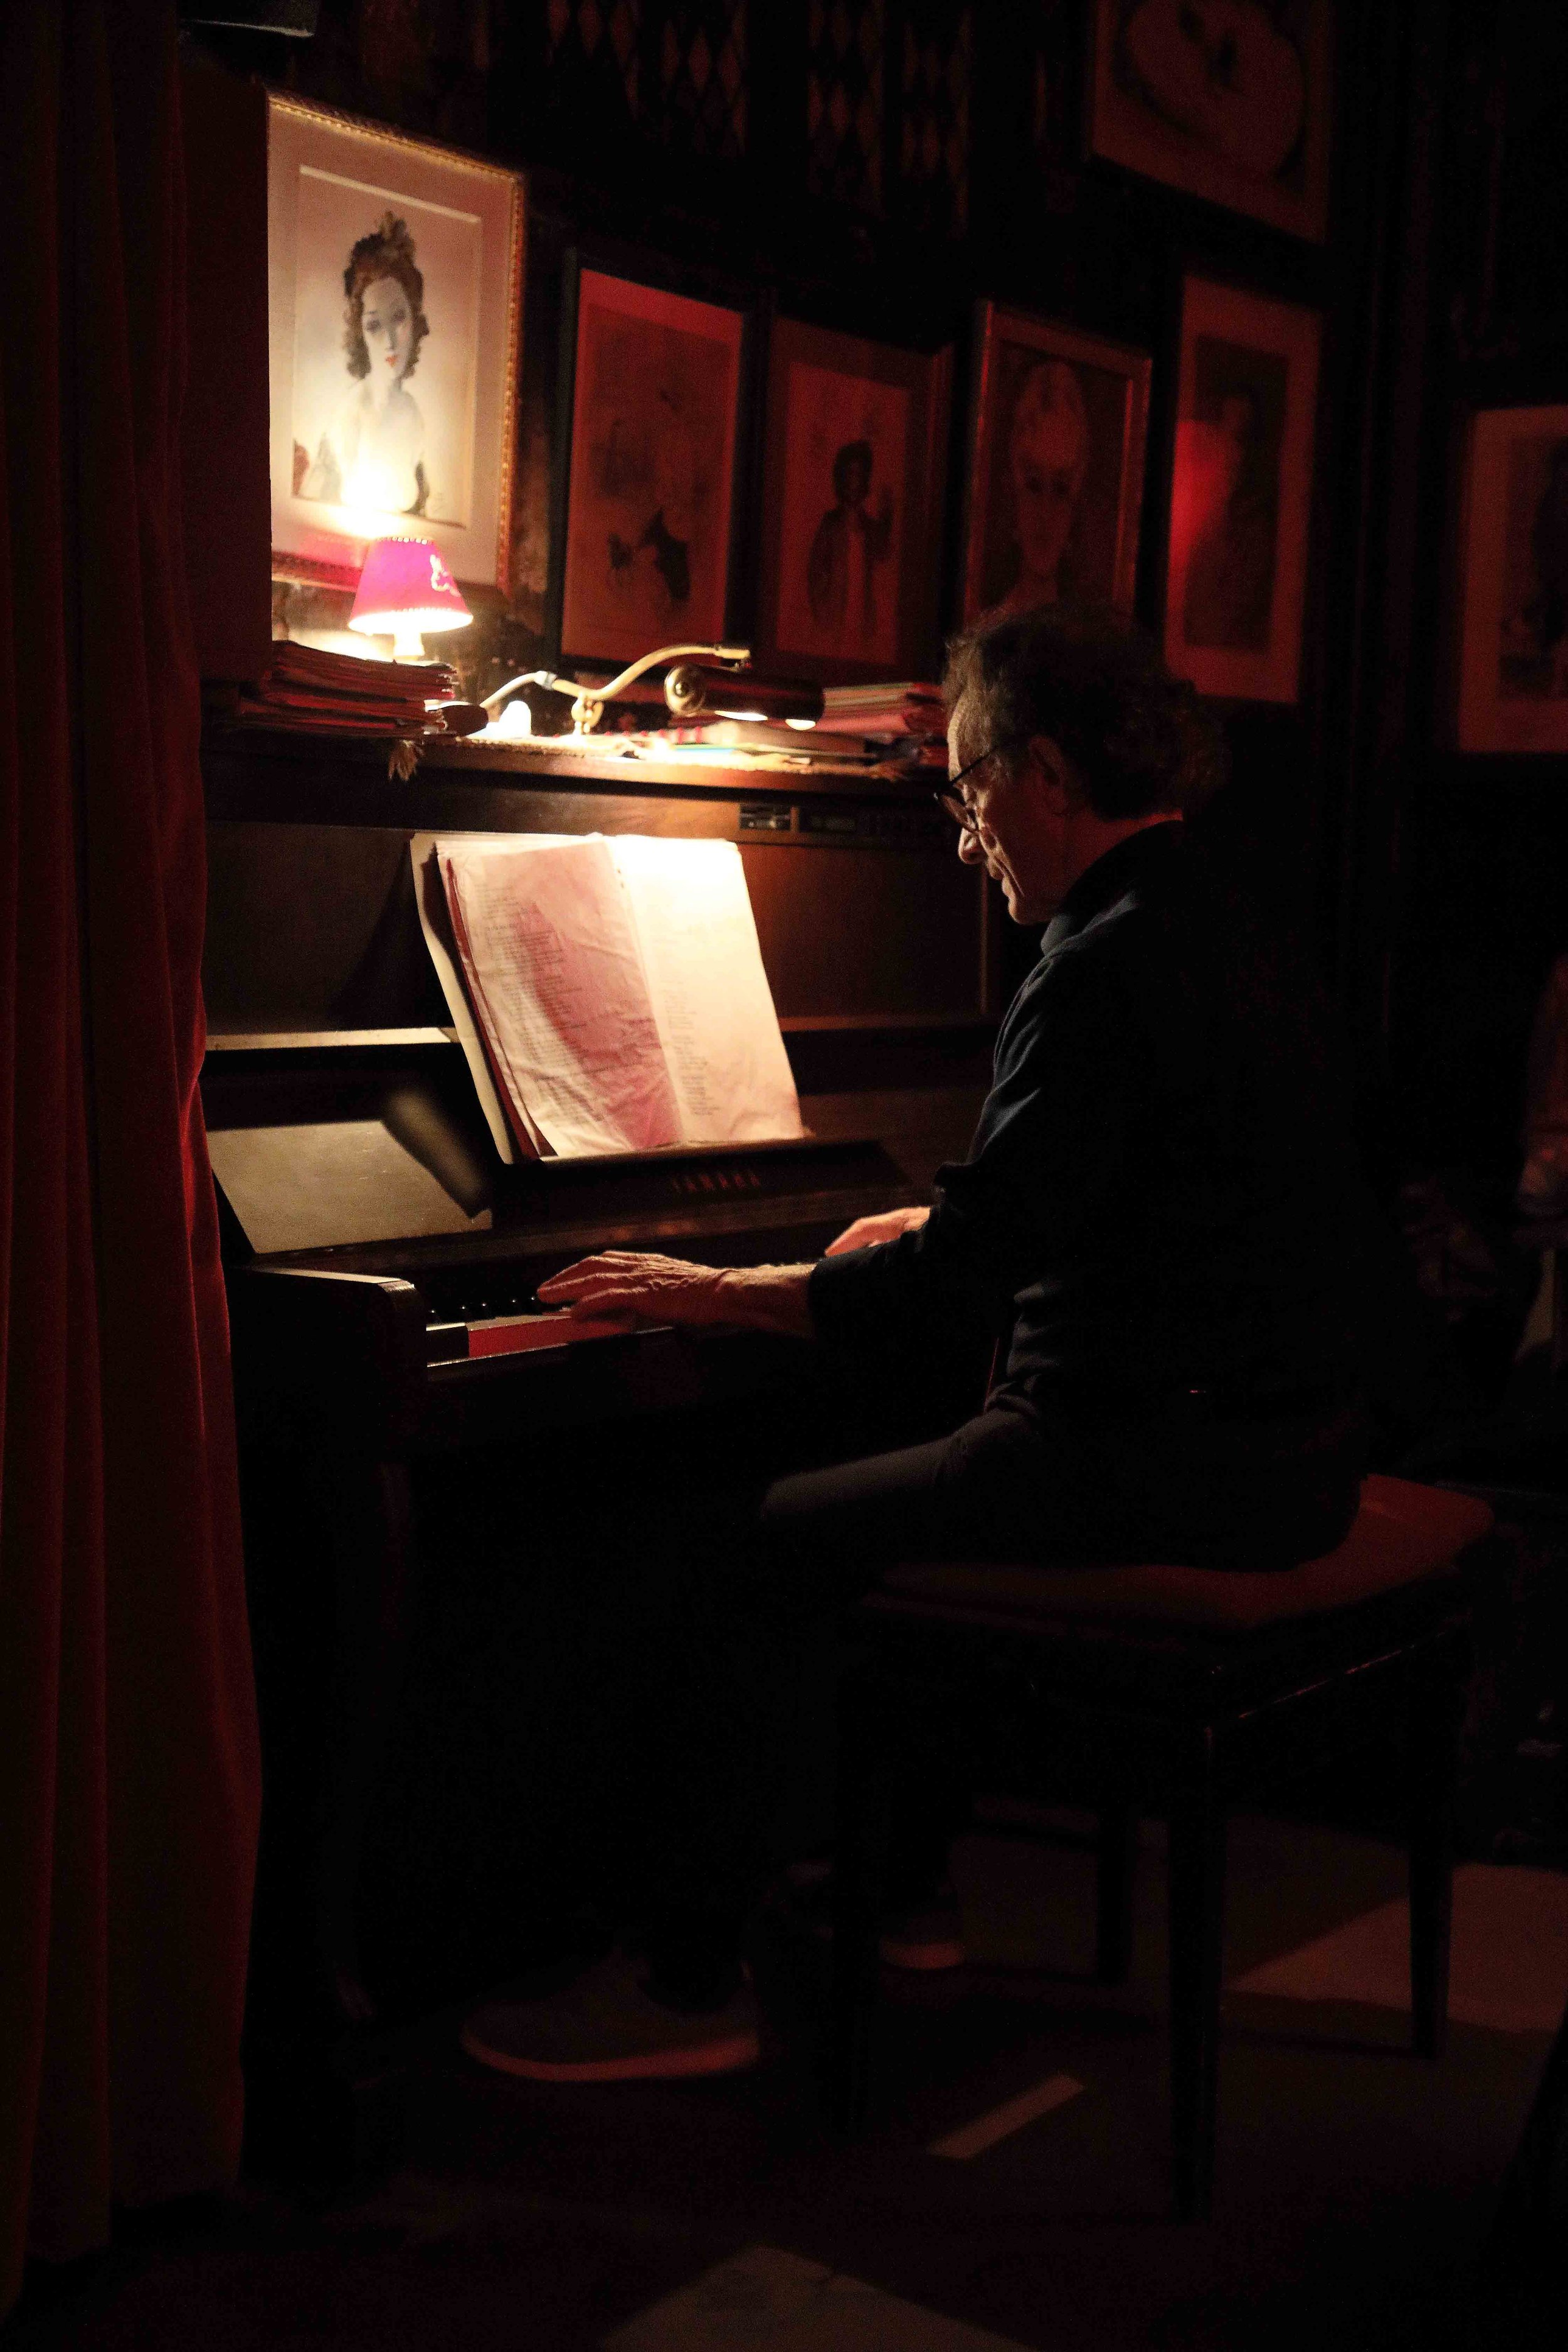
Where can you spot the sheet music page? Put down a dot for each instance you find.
(508, 1127)
(551, 959)
(710, 992)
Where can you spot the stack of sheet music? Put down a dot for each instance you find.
(910, 717)
(608, 994)
(911, 709)
(319, 693)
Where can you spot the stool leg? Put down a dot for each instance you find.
(1196, 1927)
(1116, 1849)
(1432, 1770)
(864, 1822)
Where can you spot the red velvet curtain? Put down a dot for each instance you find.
(128, 1762)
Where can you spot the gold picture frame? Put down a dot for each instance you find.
(389, 253)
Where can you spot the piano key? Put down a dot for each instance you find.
(512, 1335)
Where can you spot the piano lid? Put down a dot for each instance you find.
(331, 1180)
(325, 1139)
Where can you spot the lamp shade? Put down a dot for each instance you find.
(405, 589)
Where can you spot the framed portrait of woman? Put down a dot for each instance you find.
(1241, 492)
(1513, 619)
(394, 278)
(854, 459)
(647, 501)
(1229, 101)
(1058, 423)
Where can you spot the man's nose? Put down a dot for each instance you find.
(969, 848)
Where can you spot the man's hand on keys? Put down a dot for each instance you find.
(886, 1226)
(643, 1287)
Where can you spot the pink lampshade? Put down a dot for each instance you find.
(403, 590)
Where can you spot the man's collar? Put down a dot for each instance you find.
(1110, 878)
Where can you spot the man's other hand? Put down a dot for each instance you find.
(886, 1226)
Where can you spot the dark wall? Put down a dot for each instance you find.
(1479, 878)
(704, 131)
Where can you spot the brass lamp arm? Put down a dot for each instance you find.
(588, 703)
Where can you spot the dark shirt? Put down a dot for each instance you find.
(1161, 1193)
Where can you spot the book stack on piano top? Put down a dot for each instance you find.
(904, 725)
(315, 692)
(609, 994)
(910, 709)
(909, 718)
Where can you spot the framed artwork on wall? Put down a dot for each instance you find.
(1241, 492)
(1231, 102)
(395, 282)
(647, 507)
(1058, 421)
(1513, 631)
(852, 506)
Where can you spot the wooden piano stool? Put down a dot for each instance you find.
(1175, 1691)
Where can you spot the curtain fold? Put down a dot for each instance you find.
(128, 1775)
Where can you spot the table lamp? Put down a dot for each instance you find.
(406, 593)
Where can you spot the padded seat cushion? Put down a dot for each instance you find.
(1403, 1532)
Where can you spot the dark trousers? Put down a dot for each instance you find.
(1014, 1483)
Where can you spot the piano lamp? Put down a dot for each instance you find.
(692, 690)
(588, 701)
(406, 593)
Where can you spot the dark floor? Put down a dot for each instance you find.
(1355, 2182)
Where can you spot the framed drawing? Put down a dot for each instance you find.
(852, 506)
(1229, 100)
(1241, 492)
(395, 276)
(647, 509)
(1058, 421)
(1513, 644)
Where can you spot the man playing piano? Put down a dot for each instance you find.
(1157, 1218)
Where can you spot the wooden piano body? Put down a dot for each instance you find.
(376, 1246)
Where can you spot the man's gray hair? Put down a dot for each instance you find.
(1086, 678)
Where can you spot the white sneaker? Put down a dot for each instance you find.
(605, 2027)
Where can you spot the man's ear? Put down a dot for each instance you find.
(1050, 775)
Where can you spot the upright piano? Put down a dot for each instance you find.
(383, 1262)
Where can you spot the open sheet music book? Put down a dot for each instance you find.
(608, 993)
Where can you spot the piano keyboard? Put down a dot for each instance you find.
(515, 1335)
(434, 1340)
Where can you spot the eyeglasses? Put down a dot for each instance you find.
(948, 796)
